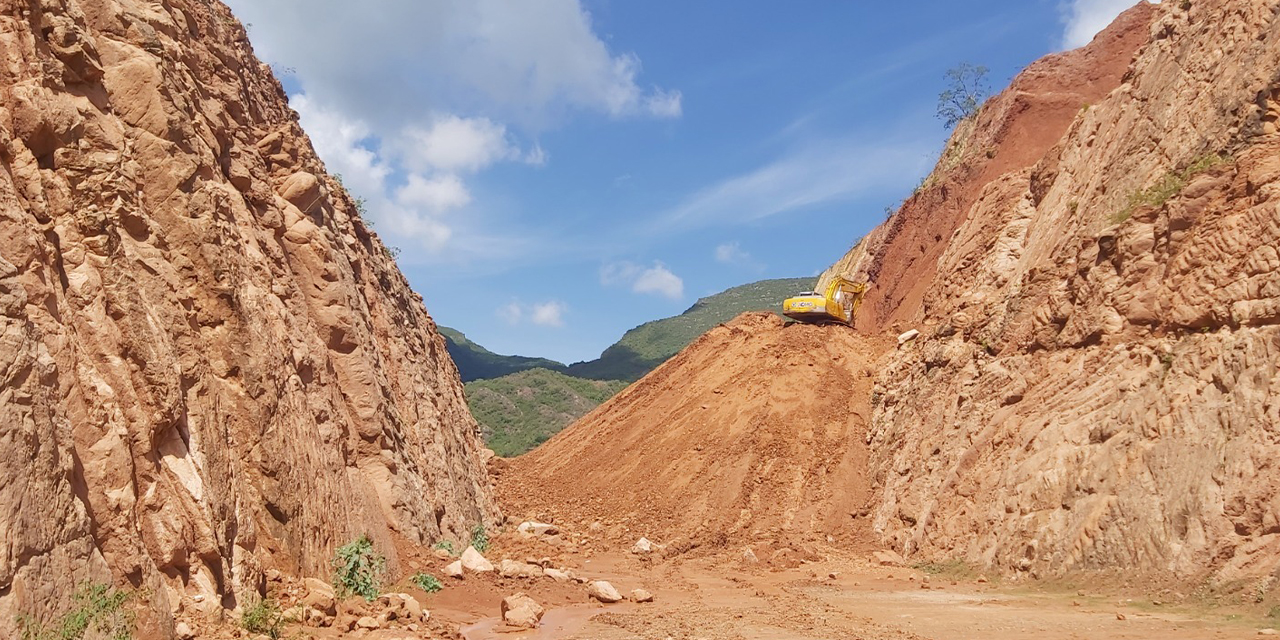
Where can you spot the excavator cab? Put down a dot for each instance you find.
(839, 303)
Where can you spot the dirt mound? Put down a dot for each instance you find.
(757, 428)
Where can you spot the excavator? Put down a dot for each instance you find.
(838, 304)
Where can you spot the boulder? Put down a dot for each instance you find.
(513, 569)
(302, 190)
(367, 622)
(888, 558)
(474, 562)
(454, 570)
(908, 336)
(182, 631)
(640, 595)
(603, 591)
(520, 610)
(412, 608)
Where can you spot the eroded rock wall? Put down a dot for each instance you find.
(1097, 385)
(209, 366)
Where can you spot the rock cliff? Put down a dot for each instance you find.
(209, 366)
(1097, 384)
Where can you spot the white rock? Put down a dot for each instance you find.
(559, 575)
(520, 610)
(454, 570)
(640, 595)
(642, 546)
(603, 591)
(474, 562)
(908, 336)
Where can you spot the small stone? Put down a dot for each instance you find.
(1268, 632)
(749, 556)
(640, 595)
(183, 631)
(982, 579)
(1120, 616)
(642, 546)
(833, 574)
(514, 569)
(520, 610)
(532, 528)
(367, 622)
(603, 591)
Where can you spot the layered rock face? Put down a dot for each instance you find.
(208, 365)
(1098, 383)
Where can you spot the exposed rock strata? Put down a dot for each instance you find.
(208, 364)
(1098, 380)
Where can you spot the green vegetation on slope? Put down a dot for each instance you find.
(477, 363)
(645, 347)
(518, 412)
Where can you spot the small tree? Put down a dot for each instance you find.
(966, 90)
(358, 569)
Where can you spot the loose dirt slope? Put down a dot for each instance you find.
(754, 428)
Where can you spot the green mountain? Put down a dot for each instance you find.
(652, 343)
(518, 412)
(477, 363)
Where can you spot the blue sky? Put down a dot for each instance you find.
(556, 172)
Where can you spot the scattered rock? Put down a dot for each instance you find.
(520, 610)
(513, 569)
(908, 336)
(1120, 616)
(749, 556)
(559, 575)
(412, 608)
(642, 546)
(454, 570)
(888, 558)
(182, 631)
(474, 562)
(531, 528)
(982, 579)
(367, 622)
(640, 595)
(833, 575)
(603, 591)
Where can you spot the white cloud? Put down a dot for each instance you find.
(544, 314)
(529, 62)
(437, 194)
(731, 252)
(548, 314)
(452, 144)
(656, 280)
(1083, 19)
(511, 312)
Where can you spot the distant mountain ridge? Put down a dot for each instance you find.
(478, 363)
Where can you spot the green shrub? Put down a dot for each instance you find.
(479, 539)
(100, 608)
(1167, 186)
(446, 546)
(358, 569)
(263, 617)
(426, 582)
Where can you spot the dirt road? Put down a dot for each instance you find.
(721, 598)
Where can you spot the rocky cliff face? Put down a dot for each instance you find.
(209, 366)
(1098, 380)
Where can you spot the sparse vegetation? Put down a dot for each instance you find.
(956, 568)
(446, 546)
(359, 569)
(479, 538)
(100, 611)
(263, 617)
(965, 92)
(426, 582)
(1166, 187)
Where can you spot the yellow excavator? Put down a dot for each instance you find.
(838, 304)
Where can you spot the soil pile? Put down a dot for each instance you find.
(209, 366)
(756, 429)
